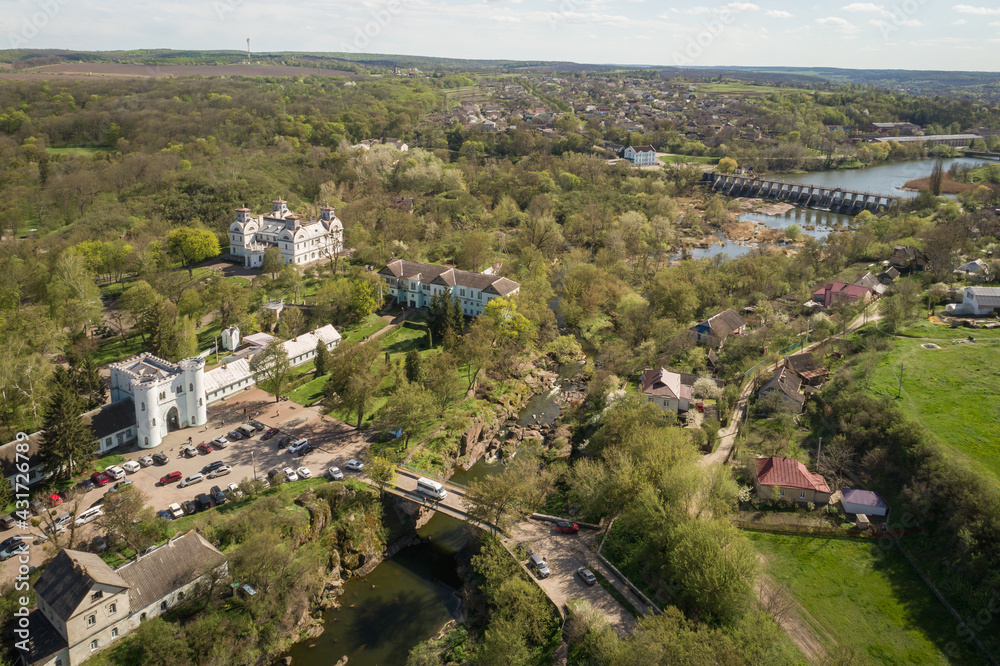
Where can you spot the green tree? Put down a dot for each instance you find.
(139, 302)
(353, 381)
(414, 367)
(187, 338)
(157, 642)
(6, 491)
(190, 305)
(442, 379)
(322, 361)
(727, 165)
(74, 299)
(67, 442)
(364, 298)
(503, 499)
(124, 513)
(192, 246)
(381, 471)
(271, 368)
(936, 179)
(406, 409)
(86, 375)
(273, 262)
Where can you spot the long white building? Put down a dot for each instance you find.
(415, 284)
(300, 242)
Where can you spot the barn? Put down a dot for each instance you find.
(863, 502)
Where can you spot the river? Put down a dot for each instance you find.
(886, 179)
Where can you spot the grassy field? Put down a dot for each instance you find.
(688, 159)
(857, 595)
(77, 151)
(951, 391)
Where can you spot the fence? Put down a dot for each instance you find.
(632, 588)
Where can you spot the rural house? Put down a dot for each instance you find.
(786, 385)
(907, 258)
(805, 367)
(714, 330)
(788, 479)
(671, 391)
(978, 301)
(863, 502)
(84, 605)
(839, 292)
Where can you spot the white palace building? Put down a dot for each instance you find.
(300, 242)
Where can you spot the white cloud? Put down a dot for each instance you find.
(741, 7)
(868, 7)
(959, 22)
(838, 24)
(778, 13)
(979, 11)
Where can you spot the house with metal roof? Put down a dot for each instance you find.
(863, 502)
(85, 606)
(788, 479)
(976, 301)
(670, 391)
(414, 284)
(786, 386)
(805, 367)
(714, 330)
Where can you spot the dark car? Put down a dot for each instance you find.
(567, 527)
(211, 467)
(205, 448)
(285, 441)
(270, 433)
(173, 477)
(160, 458)
(100, 479)
(235, 435)
(189, 507)
(305, 449)
(218, 495)
(258, 425)
(85, 486)
(204, 501)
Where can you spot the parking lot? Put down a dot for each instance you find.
(336, 444)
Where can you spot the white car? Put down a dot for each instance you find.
(146, 461)
(131, 467)
(191, 480)
(115, 472)
(335, 474)
(304, 473)
(355, 465)
(234, 491)
(220, 442)
(175, 510)
(89, 515)
(220, 471)
(290, 474)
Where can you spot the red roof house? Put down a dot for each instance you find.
(838, 291)
(788, 479)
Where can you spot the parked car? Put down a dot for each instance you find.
(537, 562)
(587, 575)
(62, 521)
(246, 430)
(220, 471)
(235, 435)
(115, 472)
(118, 486)
(567, 527)
(290, 474)
(269, 434)
(218, 495)
(308, 448)
(285, 441)
(131, 467)
(175, 511)
(7, 521)
(205, 448)
(355, 465)
(13, 548)
(190, 508)
(145, 461)
(295, 446)
(335, 474)
(203, 501)
(212, 466)
(90, 515)
(264, 480)
(189, 452)
(160, 458)
(166, 515)
(258, 425)
(55, 499)
(304, 473)
(100, 479)
(191, 480)
(220, 442)
(173, 477)
(85, 486)
(234, 491)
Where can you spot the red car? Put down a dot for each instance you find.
(270, 433)
(100, 479)
(173, 477)
(567, 527)
(205, 447)
(55, 500)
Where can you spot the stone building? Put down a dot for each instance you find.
(300, 242)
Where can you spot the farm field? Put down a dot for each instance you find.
(858, 598)
(950, 391)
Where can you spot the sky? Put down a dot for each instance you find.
(902, 34)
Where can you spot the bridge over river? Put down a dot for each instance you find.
(835, 200)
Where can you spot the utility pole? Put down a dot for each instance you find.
(900, 391)
(253, 460)
(819, 447)
(248, 50)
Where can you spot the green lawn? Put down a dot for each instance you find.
(688, 159)
(360, 330)
(856, 594)
(951, 392)
(77, 151)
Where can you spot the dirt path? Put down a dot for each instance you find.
(791, 617)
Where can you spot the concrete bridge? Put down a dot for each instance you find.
(982, 154)
(808, 196)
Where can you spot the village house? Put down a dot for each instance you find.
(976, 301)
(414, 284)
(975, 269)
(789, 480)
(838, 292)
(804, 367)
(862, 502)
(640, 155)
(786, 386)
(300, 242)
(85, 606)
(907, 258)
(671, 391)
(714, 330)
